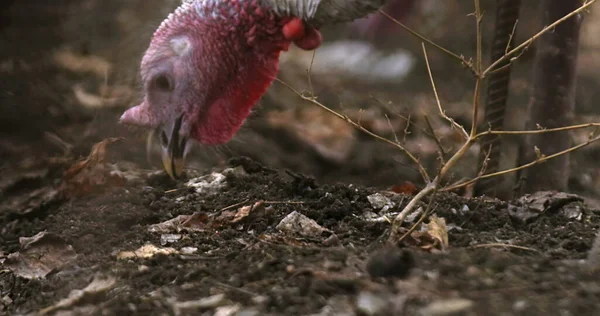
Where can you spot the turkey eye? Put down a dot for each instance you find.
(163, 82)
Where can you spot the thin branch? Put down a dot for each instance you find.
(437, 140)
(537, 161)
(348, 120)
(464, 133)
(478, 19)
(428, 211)
(406, 130)
(478, 67)
(392, 129)
(460, 58)
(309, 73)
(536, 36)
(505, 246)
(431, 187)
(475, 111)
(510, 37)
(538, 131)
(407, 119)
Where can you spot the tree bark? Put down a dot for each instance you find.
(507, 15)
(553, 98)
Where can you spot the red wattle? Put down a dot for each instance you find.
(311, 40)
(294, 29)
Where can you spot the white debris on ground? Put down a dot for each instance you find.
(214, 182)
(169, 238)
(300, 224)
(380, 202)
(384, 208)
(146, 251)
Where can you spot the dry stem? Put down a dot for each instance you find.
(433, 185)
(536, 36)
(461, 58)
(473, 136)
(348, 120)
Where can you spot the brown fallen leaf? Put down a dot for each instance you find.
(433, 237)
(422, 241)
(92, 173)
(437, 229)
(195, 222)
(203, 221)
(247, 210)
(40, 255)
(95, 290)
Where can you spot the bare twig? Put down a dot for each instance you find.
(406, 130)
(348, 120)
(437, 140)
(425, 215)
(437, 98)
(309, 73)
(462, 59)
(504, 246)
(537, 161)
(539, 131)
(481, 73)
(392, 129)
(586, 5)
(510, 38)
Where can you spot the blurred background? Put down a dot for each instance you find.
(68, 69)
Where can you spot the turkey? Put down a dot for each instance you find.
(210, 61)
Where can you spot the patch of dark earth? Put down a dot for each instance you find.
(276, 276)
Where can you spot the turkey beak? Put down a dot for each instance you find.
(173, 151)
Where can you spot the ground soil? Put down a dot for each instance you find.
(494, 264)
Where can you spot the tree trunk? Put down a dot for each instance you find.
(553, 98)
(507, 15)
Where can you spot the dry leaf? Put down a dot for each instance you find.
(246, 211)
(92, 173)
(437, 229)
(195, 222)
(39, 255)
(432, 237)
(99, 286)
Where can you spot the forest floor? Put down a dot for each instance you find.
(271, 225)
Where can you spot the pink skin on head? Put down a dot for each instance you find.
(217, 67)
